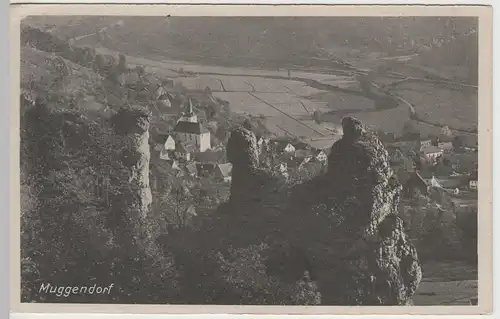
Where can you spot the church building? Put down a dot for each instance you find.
(189, 131)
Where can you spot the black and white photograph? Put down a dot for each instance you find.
(249, 160)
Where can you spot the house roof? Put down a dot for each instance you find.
(160, 93)
(301, 146)
(208, 156)
(164, 96)
(175, 165)
(190, 128)
(205, 167)
(416, 178)
(161, 138)
(302, 153)
(191, 168)
(445, 144)
(281, 145)
(225, 169)
(430, 149)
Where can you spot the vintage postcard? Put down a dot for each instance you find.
(252, 159)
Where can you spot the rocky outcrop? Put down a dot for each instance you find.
(372, 261)
(251, 181)
(132, 125)
(344, 224)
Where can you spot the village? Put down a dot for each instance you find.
(439, 175)
(188, 151)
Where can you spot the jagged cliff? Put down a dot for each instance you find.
(343, 224)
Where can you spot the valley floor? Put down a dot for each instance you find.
(447, 283)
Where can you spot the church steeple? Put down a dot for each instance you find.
(189, 108)
(189, 115)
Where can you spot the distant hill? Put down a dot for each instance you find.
(255, 41)
(459, 54)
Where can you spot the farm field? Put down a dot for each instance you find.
(299, 100)
(215, 70)
(339, 101)
(441, 105)
(200, 83)
(242, 102)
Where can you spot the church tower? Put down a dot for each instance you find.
(189, 115)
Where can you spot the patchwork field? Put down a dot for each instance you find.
(241, 102)
(442, 106)
(251, 90)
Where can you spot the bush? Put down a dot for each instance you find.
(244, 270)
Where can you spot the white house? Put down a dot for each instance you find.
(320, 156)
(431, 153)
(473, 184)
(284, 147)
(425, 143)
(223, 172)
(473, 180)
(169, 143)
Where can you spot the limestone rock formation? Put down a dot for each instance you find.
(132, 124)
(372, 260)
(344, 224)
(251, 181)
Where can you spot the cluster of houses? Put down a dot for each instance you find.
(293, 155)
(452, 184)
(187, 150)
(449, 183)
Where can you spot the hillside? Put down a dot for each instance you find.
(456, 59)
(276, 42)
(36, 70)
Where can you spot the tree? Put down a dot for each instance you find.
(59, 69)
(446, 132)
(140, 70)
(317, 115)
(122, 63)
(179, 204)
(248, 125)
(245, 270)
(458, 142)
(409, 128)
(99, 64)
